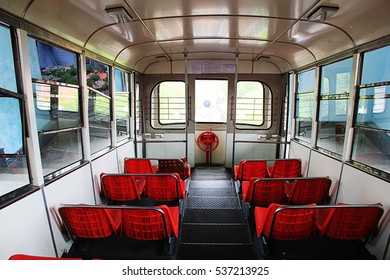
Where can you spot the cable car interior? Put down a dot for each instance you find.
(195, 130)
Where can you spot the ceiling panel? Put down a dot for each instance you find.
(15, 7)
(266, 8)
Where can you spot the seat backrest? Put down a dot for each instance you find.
(163, 187)
(150, 223)
(174, 166)
(89, 221)
(286, 222)
(310, 190)
(348, 221)
(285, 168)
(252, 168)
(138, 166)
(120, 187)
(266, 191)
(293, 223)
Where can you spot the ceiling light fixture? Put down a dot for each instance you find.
(322, 13)
(119, 14)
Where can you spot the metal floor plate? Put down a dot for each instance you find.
(203, 202)
(214, 216)
(215, 234)
(211, 184)
(218, 192)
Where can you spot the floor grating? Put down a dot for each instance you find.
(213, 224)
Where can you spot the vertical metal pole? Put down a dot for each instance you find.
(186, 100)
(235, 111)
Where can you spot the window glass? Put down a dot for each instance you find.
(14, 175)
(333, 105)
(211, 101)
(304, 105)
(376, 66)
(371, 144)
(122, 105)
(99, 105)
(56, 107)
(13, 167)
(250, 103)
(373, 108)
(55, 82)
(7, 67)
(168, 105)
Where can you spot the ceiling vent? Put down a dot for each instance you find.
(119, 14)
(322, 13)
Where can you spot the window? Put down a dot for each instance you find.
(254, 104)
(333, 105)
(211, 101)
(168, 105)
(122, 105)
(57, 107)
(371, 144)
(304, 105)
(99, 105)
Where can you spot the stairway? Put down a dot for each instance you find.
(213, 224)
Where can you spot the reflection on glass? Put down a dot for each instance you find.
(13, 174)
(59, 150)
(331, 129)
(13, 168)
(304, 128)
(372, 148)
(99, 138)
(7, 67)
(122, 105)
(11, 136)
(373, 107)
(376, 66)
(56, 107)
(52, 64)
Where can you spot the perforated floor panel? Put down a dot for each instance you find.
(213, 224)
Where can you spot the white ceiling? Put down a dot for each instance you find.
(277, 30)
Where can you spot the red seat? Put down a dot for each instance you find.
(150, 223)
(283, 222)
(250, 168)
(164, 187)
(179, 166)
(34, 257)
(349, 222)
(263, 191)
(121, 188)
(138, 166)
(90, 221)
(285, 168)
(308, 190)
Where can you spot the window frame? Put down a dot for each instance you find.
(366, 166)
(165, 126)
(298, 119)
(53, 175)
(333, 96)
(109, 97)
(22, 190)
(129, 132)
(265, 101)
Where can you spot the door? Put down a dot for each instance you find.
(211, 103)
